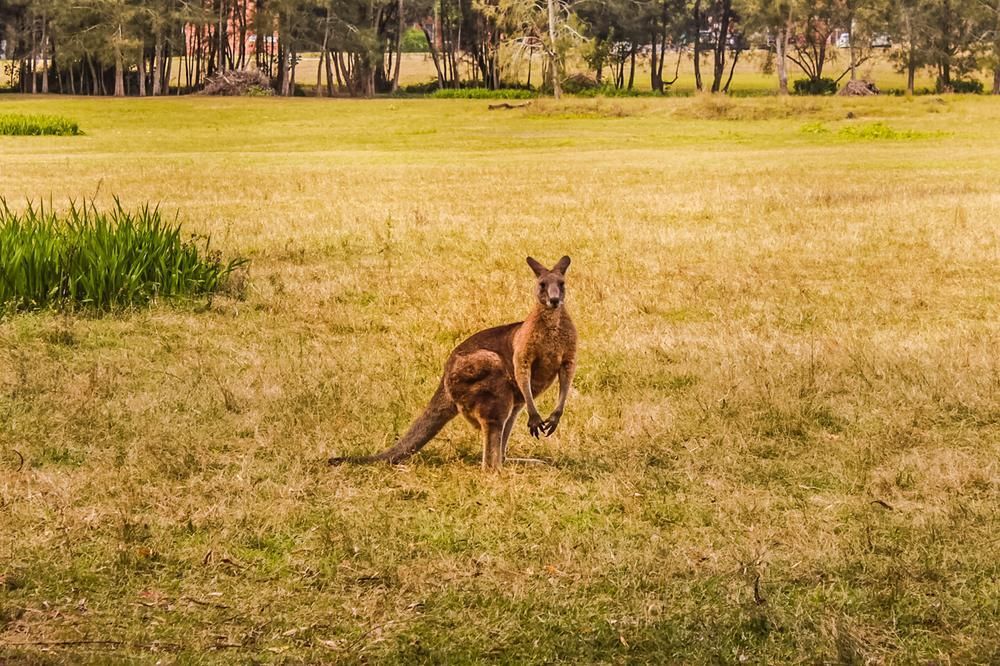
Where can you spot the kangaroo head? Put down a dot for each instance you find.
(551, 284)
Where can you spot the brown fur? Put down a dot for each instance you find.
(494, 374)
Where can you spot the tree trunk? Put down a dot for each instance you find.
(223, 42)
(329, 73)
(322, 57)
(156, 64)
(45, 56)
(166, 65)
(781, 47)
(719, 53)
(34, 58)
(850, 45)
(631, 70)
(142, 72)
(93, 75)
(434, 56)
(119, 67)
(399, 46)
(732, 70)
(996, 80)
(554, 67)
(697, 45)
(282, 68)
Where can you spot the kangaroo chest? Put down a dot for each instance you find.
(544, 348)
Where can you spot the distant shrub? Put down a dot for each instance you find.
(967, 86)
(427, 88)
(414, 41)
(822, 86)
(101, 259)
(13, 124)
(482, 93)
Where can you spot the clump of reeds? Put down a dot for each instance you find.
(101, 259)
(16, 124)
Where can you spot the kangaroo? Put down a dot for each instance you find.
(496, 373)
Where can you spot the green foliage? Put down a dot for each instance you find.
(878, 131)
(414, 41)
(16, 124)
(482, 93)
(968, 86)
(426, 88)
(822, 86)
(100, 259)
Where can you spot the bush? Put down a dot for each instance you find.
(12, 124)
(482, 93)
(967, 86)
(822, 86)
(99, 259)
(427, 88)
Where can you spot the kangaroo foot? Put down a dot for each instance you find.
(528, 461)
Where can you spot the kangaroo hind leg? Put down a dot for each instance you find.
(508, 427)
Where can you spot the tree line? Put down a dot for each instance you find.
(160, 47)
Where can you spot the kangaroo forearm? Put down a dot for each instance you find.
(523, 376)
(565, 381)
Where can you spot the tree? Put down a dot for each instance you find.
(775, 18)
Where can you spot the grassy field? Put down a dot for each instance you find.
(782, 445)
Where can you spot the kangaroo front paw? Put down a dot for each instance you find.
(535, 425)
(549, 425)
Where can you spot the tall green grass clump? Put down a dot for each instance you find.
(101, 259)
(15, 124)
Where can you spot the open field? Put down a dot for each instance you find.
(782, 445)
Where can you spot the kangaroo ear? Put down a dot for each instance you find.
(561, 266)
(537, 267)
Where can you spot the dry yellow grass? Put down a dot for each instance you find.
(789, 383)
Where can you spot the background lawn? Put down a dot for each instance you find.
(783, 443)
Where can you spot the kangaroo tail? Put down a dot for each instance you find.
(439, 411)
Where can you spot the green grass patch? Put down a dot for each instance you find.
(101, 259)
(879, 131)
(16, 124)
